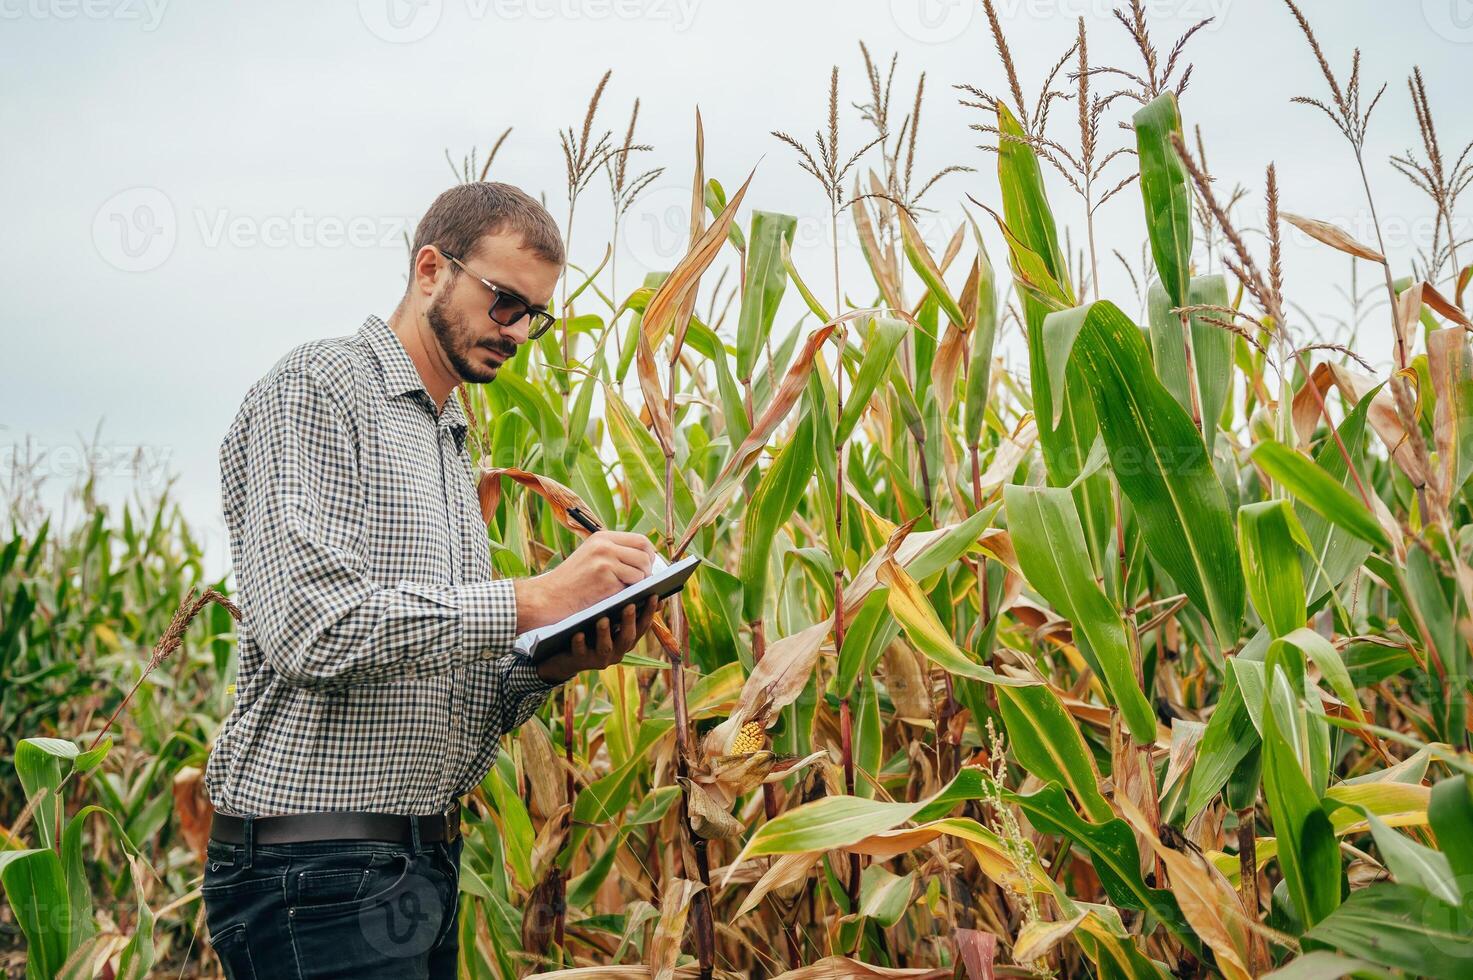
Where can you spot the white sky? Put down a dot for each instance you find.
(192, 188)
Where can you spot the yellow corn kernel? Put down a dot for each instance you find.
(750, 739)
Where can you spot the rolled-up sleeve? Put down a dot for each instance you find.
(522, 693)
(319, 618)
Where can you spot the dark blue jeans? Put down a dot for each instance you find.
(358, 909)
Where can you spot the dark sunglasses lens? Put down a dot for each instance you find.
(540, 324)
(507, 310)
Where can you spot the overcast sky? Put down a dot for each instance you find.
(191, 188)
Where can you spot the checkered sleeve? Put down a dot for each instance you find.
(522, 693)
(320, 620)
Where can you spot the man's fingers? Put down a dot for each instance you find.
(646, 616)
(628, 634)
(580, 646)
(605, 638)
(629, 548)
(637, 559)
(628, 573)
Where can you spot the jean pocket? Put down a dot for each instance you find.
(234, 951)
(348, 883)
(395, 919)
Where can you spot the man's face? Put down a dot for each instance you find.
(475, 344)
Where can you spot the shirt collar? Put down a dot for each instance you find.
(400, 376)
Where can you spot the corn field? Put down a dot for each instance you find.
(1149, 659)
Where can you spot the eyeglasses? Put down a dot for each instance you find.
(508, 308)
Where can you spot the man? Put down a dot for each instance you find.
(376, 665)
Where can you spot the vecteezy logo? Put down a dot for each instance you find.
(656, 231)
(1450, 19)
(400, 21)
(135, 230)
(933, 21)
(405, 920)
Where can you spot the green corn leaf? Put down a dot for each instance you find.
(1401, 927)
(1317, 489)
(1048, 744)
(644, 463)
(763, 288)
(839, 821)
(1229, 738)
(1049, 541)
(881, 339)
(36, 888)
(1167, 198)
(1333, 552)
(885, 896)
(1112, 848)
(1308, 853)
(776, 497)
(1451, 816)
(925, 266)
(865, 638)
(984, 339)
(1212, 349)
(1158, 458)
(1025, 202)
(1271, 564)
(1412, 863)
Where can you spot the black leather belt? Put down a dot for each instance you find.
(227, 828)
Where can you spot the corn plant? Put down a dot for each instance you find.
(1147, 659)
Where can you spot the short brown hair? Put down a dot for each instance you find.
(461, 216)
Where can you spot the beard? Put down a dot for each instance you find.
(459, 341)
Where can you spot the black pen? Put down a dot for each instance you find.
(583, 519)
(588, 525)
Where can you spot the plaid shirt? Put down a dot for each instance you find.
(376, 664)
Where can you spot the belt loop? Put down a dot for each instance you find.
(250, 839)
(414, 843)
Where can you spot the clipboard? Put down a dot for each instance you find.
(545, 641)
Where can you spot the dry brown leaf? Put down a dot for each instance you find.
(1008, 455)
(654, 398)
(541, 766)
(687, 304)
(1037, 938)
(1408, 318)
(1328, 234)
(784, 872)
(551, 837)
(1206, 898)
(1383, 417)
(883, 272)
(793, 383)
(1450, 365)
(680, 286)
(1185, 735)
(1444, 307)
(708, 818)
(539, 920)
(665, 943)
(618, 973)
(559, 497)
(777, 679)
(727, 777)
(843, 968)
(906, 681)
(192, 806)
(947, 365)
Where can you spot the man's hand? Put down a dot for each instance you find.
(608, 648)
(602, 564)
